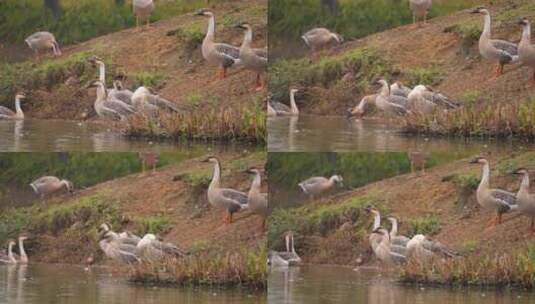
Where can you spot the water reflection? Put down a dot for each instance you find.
(335, 284)
(56, 135)
(69, 284)
(309, 133)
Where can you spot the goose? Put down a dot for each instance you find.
(109, 107)
(320, 37)
(151, 249)
(421, 248)
(114, 249)
(526, 50)
(500, 51)
(383, 250)
(280, 109)
(495, 199)
(256, 200)
(362, 108)
(374, 238)
(143, 9)
(397, 243)
(275, 260)
(228, 199)
(396, 239)
(120, 93)
(9, 258)
(319, 184)
(220, 54)
(249, 58)
(388, 103)
(423, 100)
(23, 256)
(420, 9)
(125, 237)
(398, 89)
(6, 113)
(47, 185)
(143, 99)
(526, 200)
(97, 61)
(42, 41)
(290, 256)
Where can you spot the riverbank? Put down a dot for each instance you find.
(439, 203)
(166, 57)
(442, 54)
(170, 202)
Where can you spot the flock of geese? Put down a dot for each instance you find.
(12, 258)
(117, 103)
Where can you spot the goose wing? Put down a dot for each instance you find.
(279, 106)
(438, 248)
(168, 248)
(118, 106)
(398, 100)
(6, 111)
(163, 103)
(237, 198)
(440, 100)
(397, 258)
(505, 199)
(508, 50)
(400, 240)
(229, 53)
(263, 52)
(314, 180)
(122, 95)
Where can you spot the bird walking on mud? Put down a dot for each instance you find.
(143, 10)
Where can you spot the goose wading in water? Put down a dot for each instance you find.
(526, 50)
(319, 184)
(251, 60)
(500, 51)
(143, 9)
(422, 249)
(256, 200)
(6, 113)
(220, 54)
(524, 199)
(110, 243)
(382, 248)
(497, 200)
(279, 109)
(420, 9)
(288, 257)
(47, 185)
(391, 104)
(318, 38)
(23, 256)
(396, 244)
(151, 249)
(108, 107)
(10, 257)
(43, 41)
(230, 200)
(423, 100)
(363, 107)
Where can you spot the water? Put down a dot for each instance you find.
(308, 133)
(335, 284)
(58, 135)
(41, 283)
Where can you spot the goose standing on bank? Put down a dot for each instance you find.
(228, 199)
(493, 199)
(108, 107)
(318, 38)
(151, 249)
(396, 239)
(279, 109)
(250, 59)
(526, 50)
(43, 41)
(256, 200)
(500, 51)
(319, 184)
(6, 113)
(389, 103)
(143, 9)
(9, 258)
(383, 250)
(420, 9)
(422, 249)
(423, 100)
(524, 199)
(220, 54)
(47, 185)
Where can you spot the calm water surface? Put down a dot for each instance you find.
(58, 135)
(334, 284)
(42, 284)
(308, 133)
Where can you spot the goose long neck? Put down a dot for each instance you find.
(394, 230)
(18, 108)
(102, 72)
(211, 28)
(524, 186)
(10, 252)
(217, 176)
(486, 25)
(101, 92)
(376, 220)
(295, 110)
(485, 178)
(257, 182)
(385, 90)
(526, 34)
(21, 249)
(248, 38)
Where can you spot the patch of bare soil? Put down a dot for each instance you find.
(193, 222)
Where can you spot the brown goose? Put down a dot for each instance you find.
(420, 9)
(526, 50)
(318, 38)
(250, 59)
(526, 200)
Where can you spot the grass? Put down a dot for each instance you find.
(503, 270)
(245, 268)
(248, 125)
(426, 76)
(428, 225)
(154, 225)
(148, 79)
(481, 119)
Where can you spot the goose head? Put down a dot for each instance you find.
(392, 219)
(523, 22)
(244, 26)
(211, 159)
(11, 243)
(479, 10)
(520, 171)
(204, 12)
(20, 96)
(23, 238)
(69, 185)
(253, 170)
(338, 179)
(479, 160)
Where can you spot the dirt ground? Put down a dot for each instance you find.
(192, 220)
(186, 75)
(436, 46)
